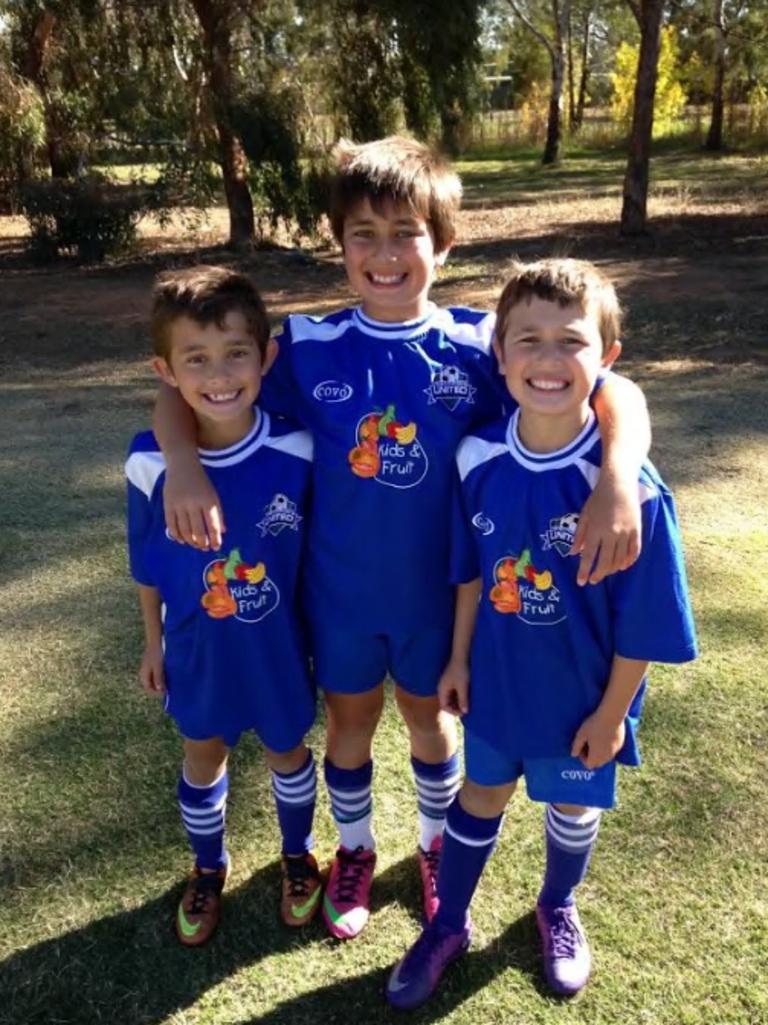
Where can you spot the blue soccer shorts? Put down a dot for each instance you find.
(352, 663)
(550, 780)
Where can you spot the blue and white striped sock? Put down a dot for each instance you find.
(203, 810)
(468, 843)
(436, 787)
(570, 839)
(295, 796)
(351, 804)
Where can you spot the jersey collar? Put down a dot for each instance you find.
(541, 461)
(236, 453)
(401, 330)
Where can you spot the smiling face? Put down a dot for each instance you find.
(390, 261)
(218, 371)
(550, 358)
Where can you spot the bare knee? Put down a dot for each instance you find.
(286, 761)
(485, 802)
(204, 760)
(351, 723)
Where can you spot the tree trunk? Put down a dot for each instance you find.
(635, 193)
(581, 99)
(560, 13)
(214, 18)
(715, 134)
(571, 85)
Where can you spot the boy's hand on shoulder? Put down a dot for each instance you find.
(151, 672)
(193, 513)
(609, 530)
(453, 689)
(598, 740)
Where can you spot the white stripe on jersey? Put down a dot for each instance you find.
(478, 335)
(143, 468)
(297, 443)
(591, 473)
(304, 328)
(473, 451)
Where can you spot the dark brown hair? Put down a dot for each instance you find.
(562, 281)
(399, 170)
(206, 295)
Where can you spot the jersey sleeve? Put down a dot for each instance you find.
(139, 520)
(279, 393)
(652, 611)
(465, 563)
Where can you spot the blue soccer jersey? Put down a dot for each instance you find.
(543, 646)
(235, 653)
(387, 405)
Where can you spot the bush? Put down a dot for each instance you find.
(90, 217)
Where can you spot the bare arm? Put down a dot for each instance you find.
(601, 736)
(453, 689)
(192, 509)
(609, 525)
(151, 671)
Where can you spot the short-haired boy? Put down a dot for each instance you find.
(548, 676)
(223, 640)
(388, 389)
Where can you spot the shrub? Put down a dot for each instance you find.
(89, 217)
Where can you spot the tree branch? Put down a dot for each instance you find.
(532, 28)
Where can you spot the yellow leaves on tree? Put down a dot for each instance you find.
(670, 95)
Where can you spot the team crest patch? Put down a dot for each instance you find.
(522, 590)
(561, 532)
(388, 450)
(450, 385)
(483, 523)
(279, 514)
(236, 588)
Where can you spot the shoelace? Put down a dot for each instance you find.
(207, 885)
(564, 936)
(299, 874)
(432, 859)
(351, 869)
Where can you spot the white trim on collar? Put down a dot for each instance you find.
(541, 461)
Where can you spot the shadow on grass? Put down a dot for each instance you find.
(516, 948)
(130, 968)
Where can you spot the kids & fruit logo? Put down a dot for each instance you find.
(524, 591)
(235, 588)
(388, 451)
(450, 385)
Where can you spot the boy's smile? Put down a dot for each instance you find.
(218, 371)
(390, 261)
(551, 358)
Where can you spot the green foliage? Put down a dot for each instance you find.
(670, 97)
(89, 217)
(22, 132)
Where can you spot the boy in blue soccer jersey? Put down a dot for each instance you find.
(549, 677)
(223, 641)
(388, 389)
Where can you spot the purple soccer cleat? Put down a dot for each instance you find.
(415, 978)
(567, 960)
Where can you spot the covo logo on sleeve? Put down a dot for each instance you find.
(332, 391)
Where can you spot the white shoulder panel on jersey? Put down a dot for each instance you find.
(297, 443)
(592, 472)
(304, 328)
(473, 451)
(143, 468)
(478, 335)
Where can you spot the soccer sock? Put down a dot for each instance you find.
(436, 787)
(295, 795)
(202, 812)
(351, 804)
(468, 843)
(570, 839)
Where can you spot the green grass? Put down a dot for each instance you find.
(91, 854)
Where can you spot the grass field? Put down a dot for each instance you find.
(91, 853)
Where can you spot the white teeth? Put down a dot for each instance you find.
(391, 279)
(222, 396)
(546, 385)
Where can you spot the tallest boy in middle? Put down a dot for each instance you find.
(389, 389)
